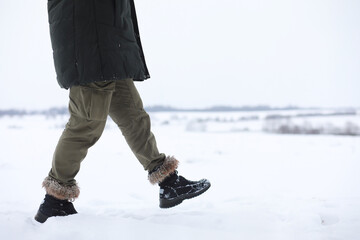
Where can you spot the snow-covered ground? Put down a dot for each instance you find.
(264, 186)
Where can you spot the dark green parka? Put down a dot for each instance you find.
(95, 40)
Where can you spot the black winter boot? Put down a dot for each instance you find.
(52, 207)
(174, 189)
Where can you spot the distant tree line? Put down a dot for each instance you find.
(49, 112)
(288, 127)
(161, 108)
(55, 111)
(304, 115)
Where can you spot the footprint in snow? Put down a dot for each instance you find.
(328, 219)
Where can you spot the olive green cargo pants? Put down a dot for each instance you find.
(89, 108)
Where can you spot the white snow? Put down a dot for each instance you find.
(264, 186)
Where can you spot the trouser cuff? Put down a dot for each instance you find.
(60, 191)
(169, 165)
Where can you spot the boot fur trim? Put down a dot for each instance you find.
(169, 165)
(60, 191)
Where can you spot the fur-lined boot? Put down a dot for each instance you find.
(174, 189)
(52, 207)
(57, 200)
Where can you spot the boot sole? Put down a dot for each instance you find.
(41, 218)
(169, 203)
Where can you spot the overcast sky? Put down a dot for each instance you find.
(206, 52)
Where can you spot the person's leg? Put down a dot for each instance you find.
(89, 108)
(127, 111)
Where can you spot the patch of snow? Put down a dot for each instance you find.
(264, 186)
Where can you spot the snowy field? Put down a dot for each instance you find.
(264, 186)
